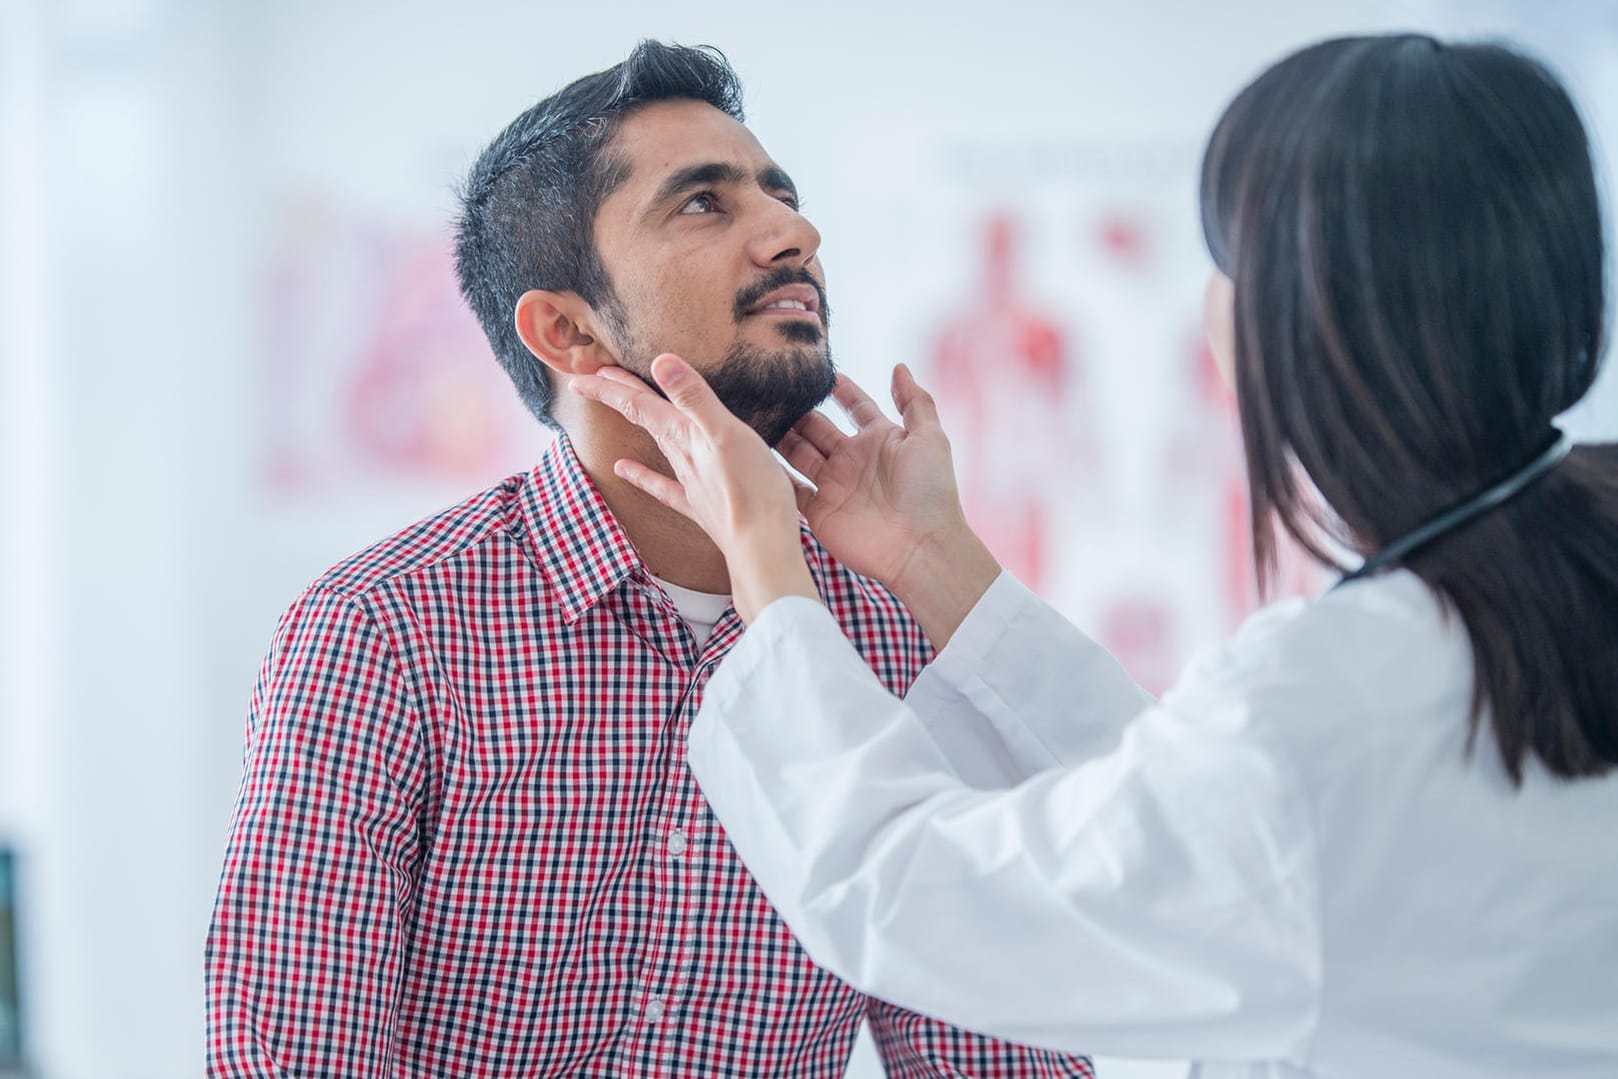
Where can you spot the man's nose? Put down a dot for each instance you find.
(784, 237)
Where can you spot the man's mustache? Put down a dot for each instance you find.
(780, 277)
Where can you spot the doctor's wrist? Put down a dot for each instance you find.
(943, 579)
(765, 569)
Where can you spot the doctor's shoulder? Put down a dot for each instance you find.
(1374, 664)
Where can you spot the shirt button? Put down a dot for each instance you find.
(677, 843)
(654, 1010)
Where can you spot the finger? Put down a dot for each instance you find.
(623, 395)
(690, 393)
(856, 402)
(916, 406)
(639, 405)
(663, 488)
(622, 375)
(801, 455)
(820, 433)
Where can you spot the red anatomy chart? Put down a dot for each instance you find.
(1014, 394)
(1005, 374)
(377, 373)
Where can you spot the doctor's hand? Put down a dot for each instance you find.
(725, 478)
(886, 505)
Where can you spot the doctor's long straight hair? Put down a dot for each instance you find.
(1415, 237)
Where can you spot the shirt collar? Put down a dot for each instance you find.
(575, 536)
(578, 542)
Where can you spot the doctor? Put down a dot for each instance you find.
(1375, 834)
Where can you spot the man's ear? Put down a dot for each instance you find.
(556, 327)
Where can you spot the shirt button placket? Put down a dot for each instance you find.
(676, 844)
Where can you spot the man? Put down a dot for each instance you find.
(467, 843)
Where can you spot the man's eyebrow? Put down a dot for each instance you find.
(775, 178)
(704, 175)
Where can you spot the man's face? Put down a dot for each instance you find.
(710, 259)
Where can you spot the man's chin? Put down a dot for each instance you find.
(769, 389)
(772, 428)
(770, 392)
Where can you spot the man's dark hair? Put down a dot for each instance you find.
(528, 205)
(1415, 235)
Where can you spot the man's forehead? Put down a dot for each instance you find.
(664, 136)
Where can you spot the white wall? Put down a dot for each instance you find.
(123, 413)
(148, 147)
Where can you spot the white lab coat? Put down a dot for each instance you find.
(1289, 867)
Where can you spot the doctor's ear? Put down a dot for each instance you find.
(556, 327)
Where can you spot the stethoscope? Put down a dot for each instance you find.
(1468, 510)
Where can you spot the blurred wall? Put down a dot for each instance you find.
(195, 195)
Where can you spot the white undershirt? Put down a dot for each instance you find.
(701, 610)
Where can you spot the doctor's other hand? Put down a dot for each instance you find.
(725, 477)
(885, 502)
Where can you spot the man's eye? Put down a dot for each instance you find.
(704, 203)
(792, 201)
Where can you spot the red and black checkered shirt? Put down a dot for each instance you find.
(467, 843)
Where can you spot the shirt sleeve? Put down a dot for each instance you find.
(1158, 900)
(305, 947)
(915, 1047)
(1019, 689)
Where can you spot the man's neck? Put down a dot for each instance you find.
(673, 547)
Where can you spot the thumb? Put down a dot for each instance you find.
(688, 390)
(916, 406)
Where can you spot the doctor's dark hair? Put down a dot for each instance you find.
(1415, 237)
(529, 203)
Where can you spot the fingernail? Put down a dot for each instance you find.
(671, 373)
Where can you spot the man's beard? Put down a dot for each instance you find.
(769, 389)
(772, 389)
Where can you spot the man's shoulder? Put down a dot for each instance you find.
(449, 535)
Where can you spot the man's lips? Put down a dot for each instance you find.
(791, 301)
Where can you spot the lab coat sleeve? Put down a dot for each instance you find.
(1158, 901)
(1019, 689)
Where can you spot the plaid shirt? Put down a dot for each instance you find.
(467, 843)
